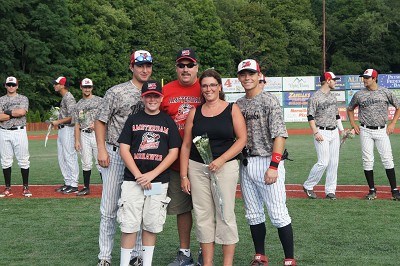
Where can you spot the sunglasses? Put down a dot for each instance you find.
(189, 65)
(142, 58)
(87, 87)
(11, 85)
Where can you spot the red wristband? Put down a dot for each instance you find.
(275, 159)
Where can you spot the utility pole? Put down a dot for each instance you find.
(323, 37)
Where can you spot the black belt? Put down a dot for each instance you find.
(60, 126)
(87, 130)
(115, 148)
(327, 128)
(14, 128)
(373, 127)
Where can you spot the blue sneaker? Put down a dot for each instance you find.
(182, 260)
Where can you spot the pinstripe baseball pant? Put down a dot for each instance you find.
(67, 157)
(256, 193)
(14, 141)
(328, 159)
(113, 176)
(368, 138)
(89, 151)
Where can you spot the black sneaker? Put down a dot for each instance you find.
(62, 188)
(395, 194)
(136, 261)
(331, 196)
(84, 191)
(104, 263)
(371, 194)
(71, 190)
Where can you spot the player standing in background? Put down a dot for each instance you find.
(324, 119)
(149, 144)
(13, 138)
(180, 96)
(67, 157)
(262, 171)
(373, 103)
(119, 101)
(85, 140)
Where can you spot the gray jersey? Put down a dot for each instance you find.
(264, 121)
(86, 111)
(373, 105)
(67, 107)
(118, 103)
(11, 103)
(323, 107)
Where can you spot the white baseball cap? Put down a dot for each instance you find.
(11, 80)
(86, 82)
(369, 73)
(60, 80)
(328, 76)
(248, 64)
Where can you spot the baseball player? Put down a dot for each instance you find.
(85, 141)
(13, 138)
(180, 96)
(67, 157)
(119, 101)
(262, 171)
(373, 103)
(149, 144)
(324, 119)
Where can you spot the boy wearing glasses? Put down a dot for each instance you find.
(118, 103)
(180, 96)
(373, 103)
(149, 144)
(85, 141)
(13, 138)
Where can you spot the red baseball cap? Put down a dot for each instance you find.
(328, 76)
(369, 73)
(248, 64)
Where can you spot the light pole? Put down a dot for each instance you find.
(323, 38)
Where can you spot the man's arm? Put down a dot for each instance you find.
(100, 132)
(271, 175)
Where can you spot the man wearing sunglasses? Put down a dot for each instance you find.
(119, 101)
(85, 140)
(13, 138)
(180, 96)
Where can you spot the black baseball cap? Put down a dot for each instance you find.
(151, 86)
(186, 53)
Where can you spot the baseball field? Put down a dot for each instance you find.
(349, 231)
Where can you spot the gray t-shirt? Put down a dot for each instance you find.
(264, 121)
(373, 105)
(118, 103)
(323, 107)
(86, 111)
(11, 103)
(67, 107)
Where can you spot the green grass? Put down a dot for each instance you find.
(65, 232)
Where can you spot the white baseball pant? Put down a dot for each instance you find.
(256, 193)
(67, 157)
(328, 159)
(14, 142)
(89, 151)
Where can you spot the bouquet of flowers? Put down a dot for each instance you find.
(202, 144)
(53, 115)
(348, 134)
(81, 116)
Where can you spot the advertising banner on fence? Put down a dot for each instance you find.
(349, 95)
(298, 83)
(340, 84)
(389, 81)
(295, 114)
(231, 85)
(353, 82)
(296, 98)
(273, 84)
(232, 97)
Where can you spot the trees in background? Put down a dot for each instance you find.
(40, 40)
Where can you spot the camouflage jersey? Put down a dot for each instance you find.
(118, 103)
(264, 121)
(323, 107)
(373, 105)
(67, 107)
(86, 111)
(11, 103)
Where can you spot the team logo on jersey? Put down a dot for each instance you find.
(150, 141)
(183, 112)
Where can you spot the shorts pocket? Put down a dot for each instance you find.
(121, 213)
(163, 210)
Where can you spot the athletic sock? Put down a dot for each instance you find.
(185, 251)
(391, 175)
(125, 256)
(148, 255)
(25, 176)
(86, 178)
(258, 232)
(7, 176)
(369, 175)
(286, 236)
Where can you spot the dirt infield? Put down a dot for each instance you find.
(292, 191)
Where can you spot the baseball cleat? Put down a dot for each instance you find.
(84, 191)
(104, 263)
(310, 193)
(136, 261)
(259, 260)
(182, 260)
(70, 190)
(395, 194)
(26, 192)
(6, 193)
(331, 196)
(371, 194)
(289, 262)
(61, 188)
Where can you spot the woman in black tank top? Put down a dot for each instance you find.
(225, 127)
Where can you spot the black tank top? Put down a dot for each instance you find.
(219, 130)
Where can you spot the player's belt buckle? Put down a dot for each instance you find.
(327, 128)
(60, 126)
(373, 127)
(87, 130)
(115, 148)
